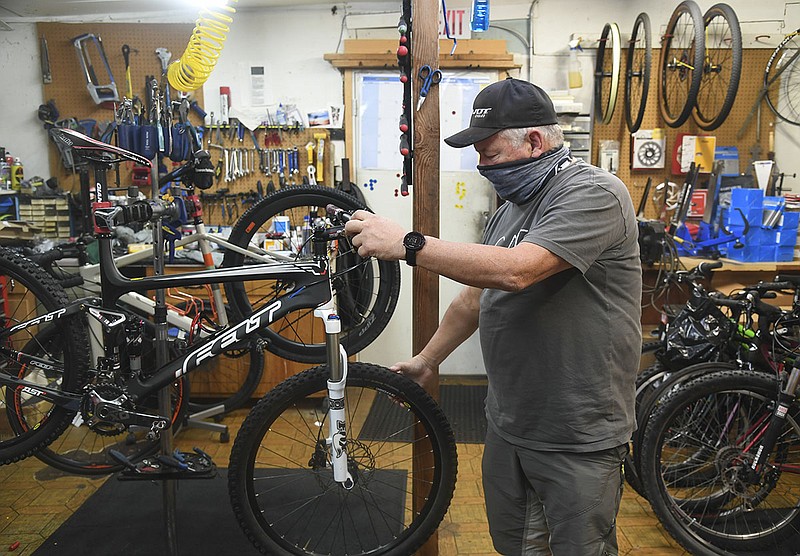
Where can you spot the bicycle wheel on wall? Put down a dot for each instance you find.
(782, 79)
(680, 68)
(696, 469)
(721, 69)
(606, 73)
(637, 72)
(365, 290)
(28, 422)
(281, 483)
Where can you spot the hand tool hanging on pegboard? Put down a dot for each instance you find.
(406, 119)
(104, 94)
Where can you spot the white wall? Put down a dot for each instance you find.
(21, 132)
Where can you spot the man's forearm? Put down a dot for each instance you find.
(459, 322)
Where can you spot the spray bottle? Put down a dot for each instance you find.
(17, 176)
(575, 74)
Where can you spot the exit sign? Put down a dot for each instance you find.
(458, 22)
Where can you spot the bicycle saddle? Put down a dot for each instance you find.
(66, 139)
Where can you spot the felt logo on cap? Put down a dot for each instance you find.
(480, 112)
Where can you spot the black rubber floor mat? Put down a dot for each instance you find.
(463, 405)
(126, 518)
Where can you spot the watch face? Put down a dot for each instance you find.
(414, 241)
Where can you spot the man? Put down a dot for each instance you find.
(555, 291)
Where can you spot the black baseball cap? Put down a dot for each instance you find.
(510, 103)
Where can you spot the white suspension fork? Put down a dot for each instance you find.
(337, 421)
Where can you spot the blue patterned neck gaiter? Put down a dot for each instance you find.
(519, 180)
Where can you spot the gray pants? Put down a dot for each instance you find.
(552, 503)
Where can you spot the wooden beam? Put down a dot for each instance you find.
(425, 190)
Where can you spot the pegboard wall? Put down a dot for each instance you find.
(227, 197)
(68, 86)
(753, 63)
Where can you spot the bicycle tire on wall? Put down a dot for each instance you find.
(675, 74)
(605, 99)
(700, 510)
(640, 36)
(29, 423)
(365, 297)
(779, 74)
(709, 118)
(275, 490)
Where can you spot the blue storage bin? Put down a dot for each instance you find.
(747, 198)
(766, 253)
(747, 254)
(786, 238)
(784, 254)
(790, 220)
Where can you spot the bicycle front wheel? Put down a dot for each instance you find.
(52, 353)
(401, 453)
(696, 464)
(722, 67)
(681, 66)
(365, 289)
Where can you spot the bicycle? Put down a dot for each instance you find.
(365, 290)
(713, 460)
(309, 452)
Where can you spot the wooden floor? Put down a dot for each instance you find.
(35, 500)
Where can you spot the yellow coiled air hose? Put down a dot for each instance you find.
(201, 55)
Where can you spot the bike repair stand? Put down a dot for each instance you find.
(169, 487)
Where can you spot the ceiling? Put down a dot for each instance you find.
(49, 9)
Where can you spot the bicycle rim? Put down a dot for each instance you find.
(28, 421)
(281, 485)
(699, 447)
(365, 290)
(606, 73)
(637, 73)
(682, 53)
(782, 79)
(721, 69)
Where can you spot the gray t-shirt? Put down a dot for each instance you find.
(562, 355)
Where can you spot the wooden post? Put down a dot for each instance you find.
(425, 191)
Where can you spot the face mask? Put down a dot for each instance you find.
(519, 181)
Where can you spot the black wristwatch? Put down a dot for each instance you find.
(413, 242)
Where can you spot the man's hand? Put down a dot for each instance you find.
(419, 369)
(376, 236)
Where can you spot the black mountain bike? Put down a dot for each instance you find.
(344, 458)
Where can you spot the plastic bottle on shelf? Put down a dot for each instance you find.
(575, 73)
(480, 16)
